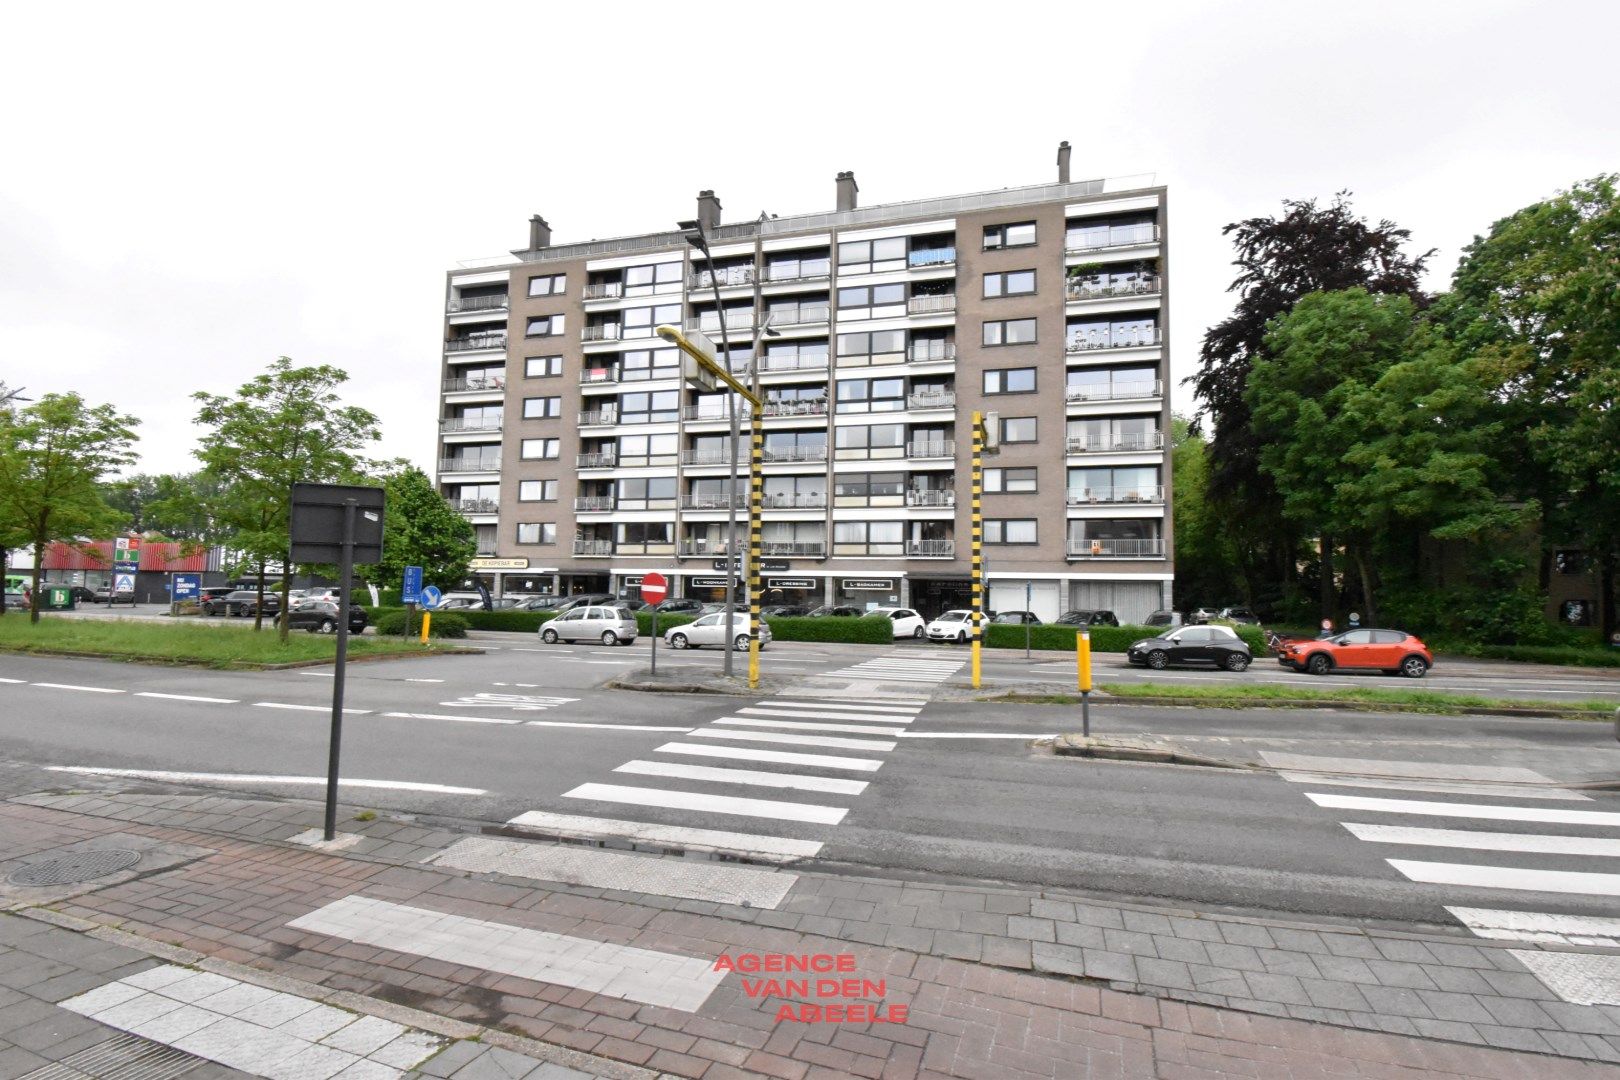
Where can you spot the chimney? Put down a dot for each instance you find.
(1063, 162)
(539, 233)
(847, 190)
(708, 212)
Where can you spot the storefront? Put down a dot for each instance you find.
(805, 592)
(868, 592)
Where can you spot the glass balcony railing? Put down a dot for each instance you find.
(600, 332)
(796, 407)
(705, 457)
(1084, 289)
(796, 453)
(937, 399)
(1124, 338)
(1120, 391)
(478, 303)
(709, 322)
(473, 342)
(477, 382)
(736, 275)
(594, 461)
(1101, 238)
(706, 547)
(604, 290)
(1122, 442)
(1096, 496)
(796, 500)
(793, 362)
(593, 547)
(930, 497)
(793, 272)
(931, 305)
(593, 503)
(598, 417)
(926, 352)
(456, 464)
(812, 549)
(930, 449)
(1104, 548)
(799, 315)
(474, 506)
(470, 423)
(926, 257)
(708, 501)
(591, 375)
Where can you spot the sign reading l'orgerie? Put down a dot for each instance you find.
(818, 988)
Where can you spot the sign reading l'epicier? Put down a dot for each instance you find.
(815, 988)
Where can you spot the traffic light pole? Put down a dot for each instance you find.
(976, 531)
(756, 500)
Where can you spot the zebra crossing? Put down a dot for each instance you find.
(899, 668)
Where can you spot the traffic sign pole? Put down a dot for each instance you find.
(654, 587)
(345, 575)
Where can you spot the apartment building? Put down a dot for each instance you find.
(569, 440)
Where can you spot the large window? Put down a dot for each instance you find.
(1019, 234)
(532, 532)
(869, 489)
(537, 491)
(872, 256)
(1115, 484)
(795, 492)
(648, 449)
(870, 301)
(649, 407)
(540, 408)
(545, 326)
(1105, 232)
(548, 285)
(796, 265)
(646, 493)
(871, 395)
(796, 445)
(1010, 381)
(642, 537)
(1118, 333)
(1018, 429)
(1009, 481)
(869, 538)
(542, 367)
(659, 278)
(1011, 283)
(1009, 530)
(1111, 538)
(639, 322)
(1112, 384)
(871, 441)
(638, 365)
(1113, 433)
(536, 449)
(1010, 332)
(880, 347)
(794, 355)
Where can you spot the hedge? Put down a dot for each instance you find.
(448, 624)
(865, 630)
(1539, 654)
(1109, 639)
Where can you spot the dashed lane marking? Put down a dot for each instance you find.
(22, 682)
(777, 757)
(976, 735)
(425, 680)
(304, 708)
(752, 845)
(462, 718)
(187, 697)
(605, 727)
(712, 804)
(86, 689)
(676, 770)
(247, 778)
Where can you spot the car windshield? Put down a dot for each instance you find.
(954, 616)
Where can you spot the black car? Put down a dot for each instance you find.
(212, 592)
(629, 603)
(540, 603)
(1218, 646)
(82, 595)
(105, 595)
(841, 611)
(783, 611)
(1164, 618)
(680, 606)
(585, 600)
(321, 617)
(1088, 618)
(242, 602)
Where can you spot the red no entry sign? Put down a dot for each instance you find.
(654, 588)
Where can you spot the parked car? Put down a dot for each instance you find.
(1017, 618)
(105, 595)
(1217, 645)
(609, 624)
(711, 630)
(1164, 618)
(321, 617)
(16, 600)
(1393, 652)
(212, 592)
(907, 623)
(681, 605)
(1201, 615)
(629, 603)
(82, 595)
(954, 625)
(539, 603)
(583, 599)
(1238, 615)
(783, 611)
(1088, 618)
(839, 610)
(242, 602)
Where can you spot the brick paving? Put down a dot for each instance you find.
(1001, 984)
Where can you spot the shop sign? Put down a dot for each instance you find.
(630, 582)
(709, 582)
(499, 564)
(791, 583)
(867, 584)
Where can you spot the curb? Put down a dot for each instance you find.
(1153, 751)
(1353, 705)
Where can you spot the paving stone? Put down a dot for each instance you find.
(1458, 1007)
(1247, 934)
(1127, 941)
(1414, 952)
(1513, 1038)
(1334, 995)
(1395, 973)
(1080, 934)
(957, 945)
(1280, 988)
(1213, 980)
(1101, 964)
(1099, 916)
(1581, 1018)
(1345, 969)
(1175, 948)
(1031, 929)
(1234, 957)
(1057, 910)
(1458, 980)
(1447, 1029)
(1297, 940)
(1518, 984)
(1168, 973)
(1146, 922)
(1351, 945)
(1003, 952)
(1517, 1012)
(1195, 929)
(1063, 959)
(1282, 962)
(453, 1057)
(1395, 1001)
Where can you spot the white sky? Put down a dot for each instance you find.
(191, 191)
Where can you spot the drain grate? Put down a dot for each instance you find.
(74, 867)
(126, 1057)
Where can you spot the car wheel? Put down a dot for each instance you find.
(1414, 667)
(549, 636)
(609, 638)
(1158, 659)
(961, 639)
(327, 626)
(1236, 662)
(1319, 664)
(917, 633)
(678, 641)
(741, 643)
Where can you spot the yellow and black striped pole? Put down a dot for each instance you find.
(756, 500)
(976, 530)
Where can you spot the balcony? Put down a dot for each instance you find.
(477, 303)
(938, 399)
(470, 423)
(1124, 443)
(804, 549)
(714, 502)
(799, 315)
(796, 453)
(930, 305)
(705, 457)
(797, 500)
(598, 417)
(787, 275)
(930, 497)
(1130, 391)
(593, 548)
(795, 362)
(474, 342)
(1116, 236)
(709, 322)
(604, 290)
(711, 411)
(929, 352)
(1100, 548)
(812, 407)
(929, 257)
(1123, 339)
(589, 376)
(594, 461)
(931, 549)
(736, 275)
(600, 332)
(480, 382)
(593, 504)
(459, 465)
(1114, 496)
(474, 506)
(930, 450)
(707, 547)
(1147, 285)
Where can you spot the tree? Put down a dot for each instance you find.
(420, 529)
(174, 505)
(54, 456)
(1207, 573)
(284, 427)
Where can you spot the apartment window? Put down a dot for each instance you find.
(538, 449)
(871, 395)
(475, 498)
(880, 347)
(804, 443)
(545, 326)
(1020, 380)
(862, 489)
(869, 538)
(638, 365)
(1009, 481)
(872, 441)
(797, 265)
(649, 408)
(537, 491)
(1106, 384)
(542, 408)
(871, 296)
(1111, 333)
(796, 397)
(646, 493)
(1119, 231)
(659, 278)
(794, 355)
(786, 492)
(1011, 283)
(1010, 332)
(648, 449)
(639, 322)
(533, 532)
(1009, 530)
(542, 367)
(1113, 433)
(1017, 429)
(1114, 484)
(872, 256)
(1020, 234)
(548, 285)
(642, 534)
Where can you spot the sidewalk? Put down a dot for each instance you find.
(549, 977)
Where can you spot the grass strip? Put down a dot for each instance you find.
(1236, 697)
(224, 646)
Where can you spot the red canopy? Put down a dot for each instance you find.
(155, 556)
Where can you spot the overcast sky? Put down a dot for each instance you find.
(192, 191)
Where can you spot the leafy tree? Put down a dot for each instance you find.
(1207, 572)
(174, 505)
(420, 529)
(283, 427)
(54, 456)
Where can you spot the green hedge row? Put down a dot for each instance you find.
(447, 625)
(1109, 639)
(1540, 654)
(865, 630)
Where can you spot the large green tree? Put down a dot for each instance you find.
(176, 506)
(54, 456)
(1207, 573)
(283, 427)
(420, 529)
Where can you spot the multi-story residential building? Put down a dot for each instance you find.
(571, 442)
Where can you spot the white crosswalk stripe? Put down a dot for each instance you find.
(833, 703)
(899, 669)
(828, 714)
(1509, 877)
(1485, 841)
(750, 845)
(1539, 926)
(797, 740)
(807, 725)
(777, 757)
(752, 777)
(709, 804)
(1481, 811)
(1435, 787)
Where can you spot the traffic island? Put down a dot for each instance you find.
(685, 682)
(1149, 748)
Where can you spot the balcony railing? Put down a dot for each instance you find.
(593, 503)
(456, 464)
(814, 549)
(598, 417)
(797, 500)
(799, 315)
(930, 305)
(796, 453)
(705, 501)
(1101, 239)
(930, 497)
(810, 407)
(474, 506)
(475, 341)
(1115, 549)
(1094, 496)
(931, 549)
(712, 411)
(780, 275)
(1116, 339)
(593, 547)
(600, 332)
(736, 275)
(925, 352)
(594, 461)
(470, 423)
(927, 257)
(598, 375)
(478, 382)
(705, 457)
(794, 362)
(1125, 391)
(478, 303)
(1147, 285)
(604, 290)
(706, 547)
(945, 399)
(930, 449)
(709, 322)
(1126, 442)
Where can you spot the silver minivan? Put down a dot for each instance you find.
(592, 622)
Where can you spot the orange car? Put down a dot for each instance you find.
(1393, 652)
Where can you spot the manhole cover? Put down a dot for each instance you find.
(74, 867)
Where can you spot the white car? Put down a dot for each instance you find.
(710, 630)
(591, 622)
(907, 623)
(954, 625)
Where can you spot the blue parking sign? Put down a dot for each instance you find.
(410, 591)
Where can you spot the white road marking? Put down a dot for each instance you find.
(596, 869)
(305, 708)
(320, 674)
(1485, 841)
(1509, 877)
(778, 757)
(754, 778)
(86, 689)
(1539, 926)
(712, 804)
(424, 680)
(827, 714)
(1443, 787)
(515, 702)
(606, 727)
(1467, 810)
(653, 978)
(806, 725)
(797, 740)
(248, 778)
(187, 697)
(1409, 770)
(777, 703)
(18, 681)
(975, 735)
(1579, 978)
(459, 717)
(575, 826)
